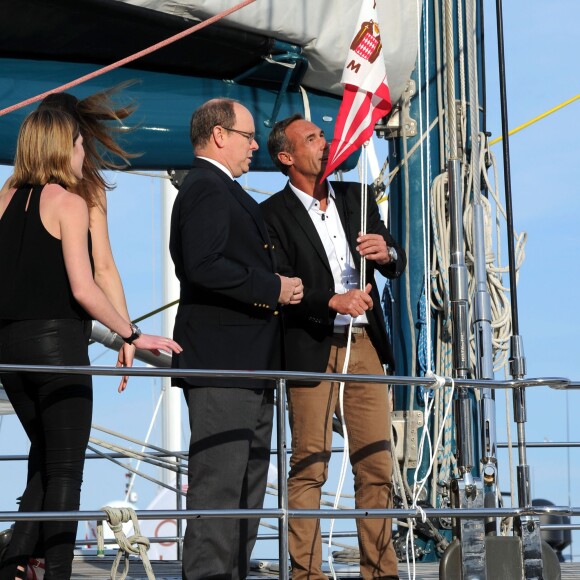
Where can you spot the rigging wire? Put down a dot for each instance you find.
(439, 82)
(440, 283)
(147, 436)
(425, 178)
(129, 58)
(156, 311)
(439, 120)
(410, 536)
(536, 119)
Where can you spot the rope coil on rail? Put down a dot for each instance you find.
(136, 544)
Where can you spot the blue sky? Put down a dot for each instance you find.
(542, 44)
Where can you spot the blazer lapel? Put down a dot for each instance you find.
(298, 212)
(251, 206)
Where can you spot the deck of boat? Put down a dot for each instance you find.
(91, 567)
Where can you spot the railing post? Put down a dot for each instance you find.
(179, 521)
(282, 479)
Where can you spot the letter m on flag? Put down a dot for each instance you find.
(366, 96)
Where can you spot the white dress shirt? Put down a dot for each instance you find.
(329, 227)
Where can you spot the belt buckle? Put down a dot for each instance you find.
(358, 330)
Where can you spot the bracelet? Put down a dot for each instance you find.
(135, 334)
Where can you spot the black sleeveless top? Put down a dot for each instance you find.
(33, 279)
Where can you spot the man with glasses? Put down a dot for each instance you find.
(227, 319)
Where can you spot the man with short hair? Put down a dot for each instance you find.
(314, 227)
(227, 319)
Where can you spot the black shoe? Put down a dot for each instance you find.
(5, 537)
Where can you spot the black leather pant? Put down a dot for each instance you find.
(55, 411)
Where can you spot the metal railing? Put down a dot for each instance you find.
(282, 512)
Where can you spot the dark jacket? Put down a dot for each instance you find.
(299, 252)
(227, 316)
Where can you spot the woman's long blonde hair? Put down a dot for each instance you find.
(44, 149)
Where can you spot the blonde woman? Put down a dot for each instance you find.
(48, 296)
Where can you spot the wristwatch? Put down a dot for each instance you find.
(135, 334)
(393, 254)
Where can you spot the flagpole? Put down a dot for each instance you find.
(363, 213)
(366, 99)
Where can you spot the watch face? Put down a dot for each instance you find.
(136, 332)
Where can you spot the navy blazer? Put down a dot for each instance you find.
(299, 252)
(227, 316)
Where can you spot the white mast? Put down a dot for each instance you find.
(171, 407)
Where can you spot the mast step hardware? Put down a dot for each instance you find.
(406, 425)
(503, 559)
(399, 122)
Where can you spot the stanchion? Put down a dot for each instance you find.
(282, 479)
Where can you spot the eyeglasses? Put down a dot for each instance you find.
(249, 136)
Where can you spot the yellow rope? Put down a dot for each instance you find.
(536, 119)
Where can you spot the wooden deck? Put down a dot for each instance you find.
(92, 567)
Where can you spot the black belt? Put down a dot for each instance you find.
(358, 329)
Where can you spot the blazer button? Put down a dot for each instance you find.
(276, 313)
(265, 246)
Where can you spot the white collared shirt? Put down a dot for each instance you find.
(331, 233)
(218, 165)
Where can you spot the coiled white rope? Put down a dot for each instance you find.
(500, 305)
(136, 544)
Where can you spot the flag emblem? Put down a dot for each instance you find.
(366, 44)
(366, 97)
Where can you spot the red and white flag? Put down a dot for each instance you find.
(366, 96)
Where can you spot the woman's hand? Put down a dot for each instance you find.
(156, 343)
(149, 342)
(125, 359)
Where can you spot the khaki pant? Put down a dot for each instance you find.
(368, 423)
